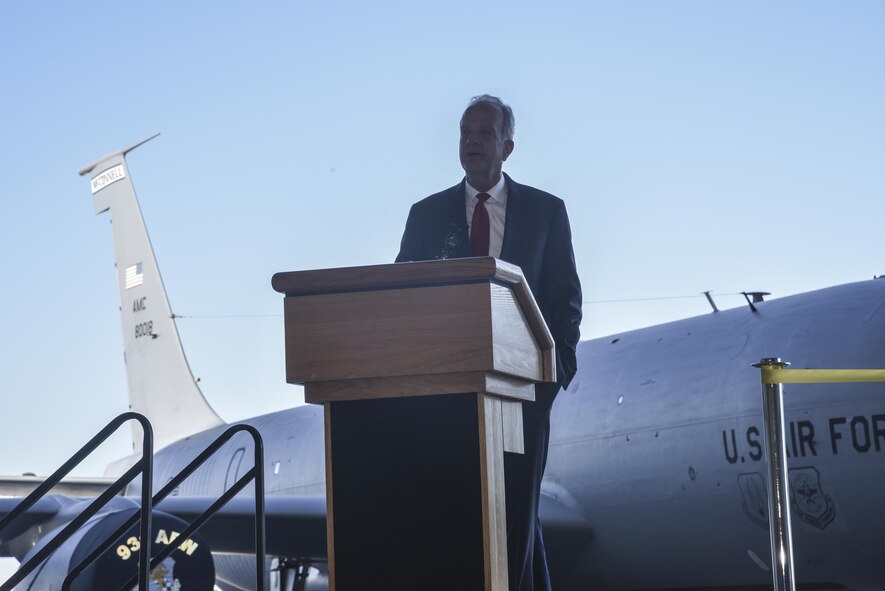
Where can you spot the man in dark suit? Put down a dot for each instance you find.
(488, 214)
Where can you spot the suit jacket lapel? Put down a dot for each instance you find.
(457, 209)
(512, 220)
(456, 217)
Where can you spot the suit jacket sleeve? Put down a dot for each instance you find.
(562, 294)
(409, 245)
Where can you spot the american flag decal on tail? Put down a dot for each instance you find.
(134, 276)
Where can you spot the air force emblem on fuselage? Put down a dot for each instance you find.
(810, 502)
(755, 498)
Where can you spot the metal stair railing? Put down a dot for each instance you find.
(143, 466)
(256, 474)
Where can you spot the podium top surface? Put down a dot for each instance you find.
(397, 275)
(418, 274)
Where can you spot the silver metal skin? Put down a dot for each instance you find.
(778, 486)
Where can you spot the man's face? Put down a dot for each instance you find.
(483, 147)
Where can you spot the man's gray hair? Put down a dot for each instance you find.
(509, 123)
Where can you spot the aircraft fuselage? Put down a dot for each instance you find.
(658, 445)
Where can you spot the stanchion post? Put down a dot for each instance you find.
(778, 484)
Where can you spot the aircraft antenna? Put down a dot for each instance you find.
(757, 296)
(710, 299)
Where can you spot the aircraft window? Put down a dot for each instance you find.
(276, 468)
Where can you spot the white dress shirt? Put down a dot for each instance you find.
(496, 205)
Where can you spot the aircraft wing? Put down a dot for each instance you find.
(44, 510)
(21, 486)
(295, 526)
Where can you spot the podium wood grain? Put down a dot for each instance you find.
(422, 369)
(447, 314)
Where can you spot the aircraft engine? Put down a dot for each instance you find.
(189, 568)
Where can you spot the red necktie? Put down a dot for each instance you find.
(479, 227)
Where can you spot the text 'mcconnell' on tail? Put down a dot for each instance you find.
(161, 385)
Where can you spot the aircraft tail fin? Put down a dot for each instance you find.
(161, 385)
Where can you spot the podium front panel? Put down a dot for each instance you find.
(406, 495)
(399, 332)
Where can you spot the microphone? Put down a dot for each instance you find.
(454, 241)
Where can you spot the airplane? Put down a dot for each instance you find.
(656, 475)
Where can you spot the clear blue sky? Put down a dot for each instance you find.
(721, 146)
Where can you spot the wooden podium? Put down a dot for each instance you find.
(422, 368)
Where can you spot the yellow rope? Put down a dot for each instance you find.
(772, 374)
